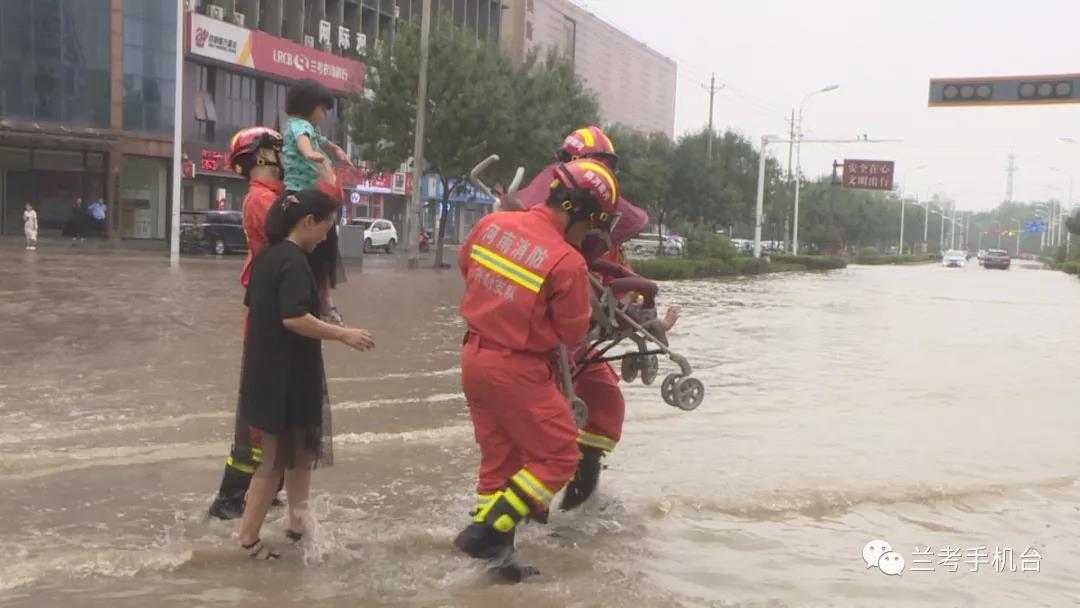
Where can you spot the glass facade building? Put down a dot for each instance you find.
(55, 61)
(149, 65)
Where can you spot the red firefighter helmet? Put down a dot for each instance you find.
(591, 191)
(246, 142)
(588, 142)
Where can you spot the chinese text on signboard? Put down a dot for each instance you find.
(868, 174)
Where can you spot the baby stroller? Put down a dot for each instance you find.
(623, 307)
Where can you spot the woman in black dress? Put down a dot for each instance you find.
(281, 386)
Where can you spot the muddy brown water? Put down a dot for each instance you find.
(932, 408)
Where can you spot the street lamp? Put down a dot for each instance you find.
(1068, 202)
(903, 203)
(798, 164)
(926, 218)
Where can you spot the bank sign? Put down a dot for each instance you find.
(262, 52)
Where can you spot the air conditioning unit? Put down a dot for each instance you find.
(309, 41)
(216, 12)
(397, 12)
(238, 18)
(189, 5)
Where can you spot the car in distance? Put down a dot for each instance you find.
(954, 258)
(997, 258)
(217, 232)
(378, 233)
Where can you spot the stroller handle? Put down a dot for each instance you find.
(641, 285)
(474, 175)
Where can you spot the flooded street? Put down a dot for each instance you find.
(928, 407)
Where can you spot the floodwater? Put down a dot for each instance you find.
(932, 408)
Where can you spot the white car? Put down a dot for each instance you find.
(647, 244)
(378, 234)
(954, 259)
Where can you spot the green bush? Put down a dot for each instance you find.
(869, 252)
(672, 269)
(878, 259)
(811, 262)
(1071, 268)
(710, 247)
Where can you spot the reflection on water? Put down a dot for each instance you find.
(923, 406)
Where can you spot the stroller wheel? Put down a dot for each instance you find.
(580, 411)
(689, 392)
(650, 367)
(667, 389)
(630, 368)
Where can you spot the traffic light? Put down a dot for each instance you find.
(1011, 90)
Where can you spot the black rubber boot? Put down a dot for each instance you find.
(584, 483)
(491, 537)
(229, 502)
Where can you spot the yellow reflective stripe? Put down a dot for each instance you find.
(587, 136)
(515, 501)
(596, 441)
(243, 468)
(506, 268)
(482, 500)
(533, 487)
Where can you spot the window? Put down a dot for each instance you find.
(236, 102)
(205, 110)
(149, 65)
(54, 61)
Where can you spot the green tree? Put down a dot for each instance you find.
(479, 104)
(469, 115)
(645, 170)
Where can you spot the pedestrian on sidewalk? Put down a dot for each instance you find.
(30, 227)
(283, 392)
(76, 224)
(97, 216)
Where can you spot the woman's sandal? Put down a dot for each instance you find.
(260, 551)
(295, 537)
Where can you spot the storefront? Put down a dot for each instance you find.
(467, 206)
(144, 210)
(51, 180)
(208, 181)
(375, 194)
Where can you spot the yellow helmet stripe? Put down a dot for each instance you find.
(610, 143)
(603, 171)
(587, 136)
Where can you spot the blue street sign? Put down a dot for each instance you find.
(1035, 226)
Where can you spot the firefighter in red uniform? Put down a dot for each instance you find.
(526, 294)
(255, 153)
(596, 384)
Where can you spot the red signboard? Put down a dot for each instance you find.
(290, 60)
(869, 174)
(212, 161)
(363, 179)
(259, 51)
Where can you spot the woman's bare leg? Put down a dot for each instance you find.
(259, 496)
(298, 487)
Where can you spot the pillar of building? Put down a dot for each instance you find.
(274, 16)
(295, 28)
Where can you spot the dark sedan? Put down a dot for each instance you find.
(997, 258)
(217, 232)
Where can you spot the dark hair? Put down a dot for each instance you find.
(290, 208)
(306, 95)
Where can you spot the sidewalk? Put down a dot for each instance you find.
(56, 244)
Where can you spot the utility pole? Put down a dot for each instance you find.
(790, 158)
(178, 119)
(712, 89)
(412, 218)
(1011, 171)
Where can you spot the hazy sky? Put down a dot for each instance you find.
(882, 53)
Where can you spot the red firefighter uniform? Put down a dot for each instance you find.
(598, 386)
(526, 293)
